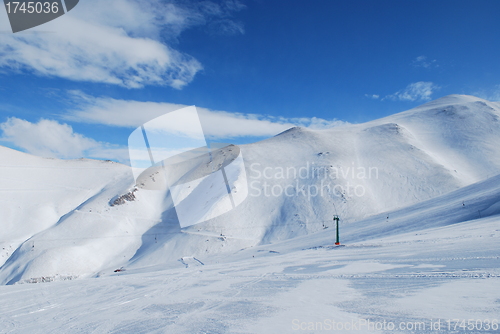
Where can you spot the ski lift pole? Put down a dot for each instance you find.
(336, 219)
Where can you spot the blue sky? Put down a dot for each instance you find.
(79, 85)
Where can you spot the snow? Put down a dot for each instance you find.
(421, 241)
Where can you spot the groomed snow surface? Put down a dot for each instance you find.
(418, 195)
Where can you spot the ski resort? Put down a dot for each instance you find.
(420, 242)
(250, 167)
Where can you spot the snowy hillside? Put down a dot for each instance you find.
(414, 278)
(424, 168)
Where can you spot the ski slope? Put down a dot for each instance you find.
(419, 201)
(410, 280)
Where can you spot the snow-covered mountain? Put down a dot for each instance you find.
(427, 167)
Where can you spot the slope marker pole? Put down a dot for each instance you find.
(336, 219)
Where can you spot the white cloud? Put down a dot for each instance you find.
(492, 94)
(372, 96)
(316, 123)
(49, 138)
(423, 61)
(216, 124)
(417, 91)
(118, 42)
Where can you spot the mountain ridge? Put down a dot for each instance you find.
(355, 171)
